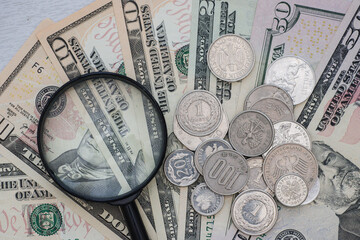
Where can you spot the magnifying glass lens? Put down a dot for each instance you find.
(102, 137)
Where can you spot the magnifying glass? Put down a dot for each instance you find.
(102, 137)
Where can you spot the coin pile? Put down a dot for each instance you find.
(268, 153)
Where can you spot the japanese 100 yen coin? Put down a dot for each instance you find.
(231, 58)
(199, 113)
(226, 172)
(207, 148)
(192, 142)
(254, 212)
(251, 133)
(294, 75)
(291, 190)
(205, 201)
(267, 91)
(180, 169)
(290, 158)
(290, 132)
(275, 109)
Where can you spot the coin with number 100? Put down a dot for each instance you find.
(226, 172)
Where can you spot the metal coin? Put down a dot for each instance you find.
(207, 148)
(294, 75)
(192, 142)
(205, 201)
(290, 132)
(275, 109)
(251, 133)
(256, 179)
(313, 192)
(291, 190)
(290, 158)
(199, 113)
(267, 91)
(180, 169)
(254, 212)
(226, 172)
(231, 58)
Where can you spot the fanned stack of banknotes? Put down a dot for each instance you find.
(165, 45)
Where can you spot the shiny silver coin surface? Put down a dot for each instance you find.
(254, 212)
(226, 172)
(291, 190)
(267, 91)
(251, 133)
(294, 75)
(231, 58)
(199, 113)
(275, 109)
(313, 193)
(180, 169)
(192, 142)
(207, 148)
(205, 201)
(256, 180)
(290, 132)
(290, 158)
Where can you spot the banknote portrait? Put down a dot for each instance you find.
(85, 169)
(340, 189)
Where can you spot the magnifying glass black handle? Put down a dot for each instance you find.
(136, 226)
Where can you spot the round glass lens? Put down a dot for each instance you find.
(102, 137)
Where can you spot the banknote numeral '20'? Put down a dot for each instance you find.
(206, 7)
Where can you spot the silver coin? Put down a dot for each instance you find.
(207, 148)
(267, 91)
(231, 58)
(290, 158)
(205, 201)
(290, 132)
(251, 133)
(291, 190)
(192, 142)
(180, 169)
(254, 212)
(313, 192)
(199, 113)
(226, 172)
(256, 180)
(294, 75)
(275, 109)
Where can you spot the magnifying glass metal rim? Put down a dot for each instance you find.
(92, 76)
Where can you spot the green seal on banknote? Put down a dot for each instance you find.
(46, 219)
(121, 69)
(182, 59)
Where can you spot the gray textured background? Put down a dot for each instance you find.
(19, 18)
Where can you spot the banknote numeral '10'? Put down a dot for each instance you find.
(280, 21)
(225, 174)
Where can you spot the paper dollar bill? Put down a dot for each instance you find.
(87, 41)
(331, 116)
(158, 34)
(300, 28)
(21, 197)
(26, 82)
(211, 19)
